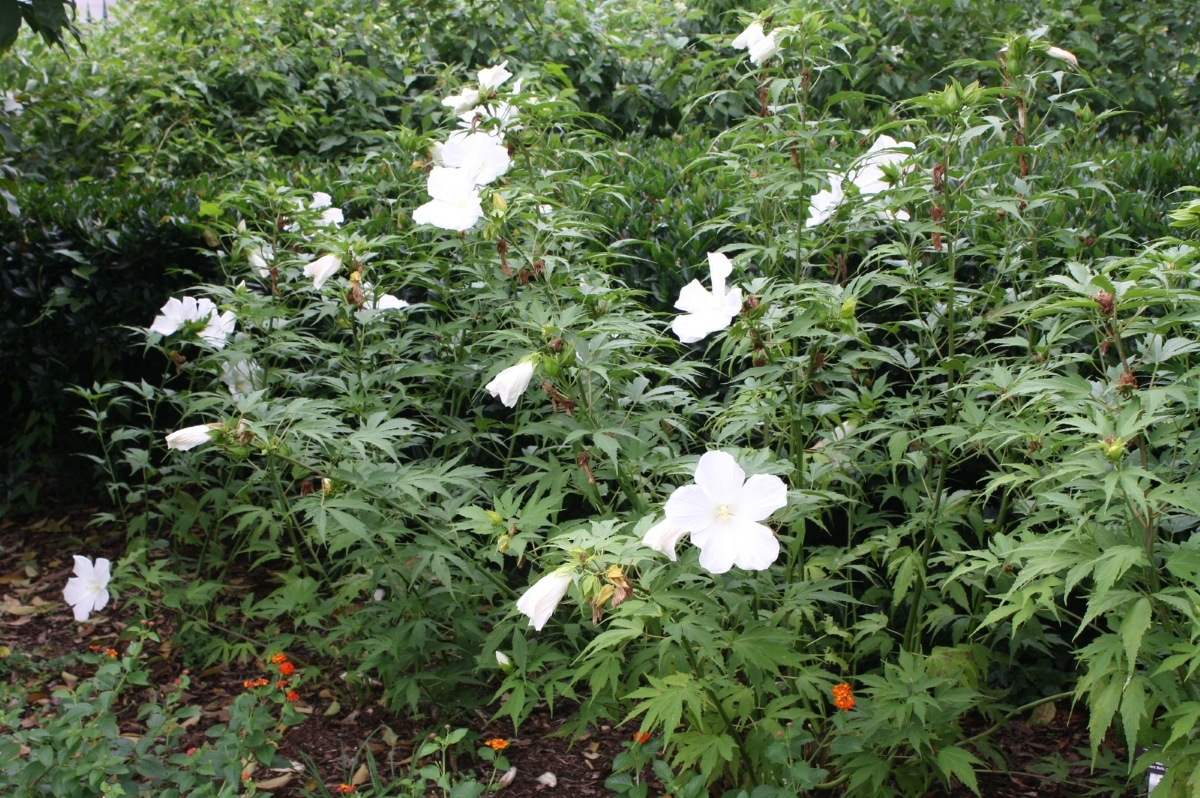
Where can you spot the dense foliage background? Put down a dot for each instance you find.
(979, 383)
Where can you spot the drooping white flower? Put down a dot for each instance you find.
(493, 77)
(455, 204)
(509, 384)
(869, 176)
(191, 437)
(825, 202)
(508, 778)
(663, 537)
(218, 329)
(178, 312)
(548, 779)
(762, 50)
(462, 102)
(722, 511)
(87, 591)
(751, 36)
(482, 151)
(331, 216)
(322, 269)
(540, 600)
(707, 312)
(241, 377)
(1060, 54)
(320, 200)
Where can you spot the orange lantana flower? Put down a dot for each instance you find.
(843, 697)
(497, 743)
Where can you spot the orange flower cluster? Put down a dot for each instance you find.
(641, 738)
(843, 697)
(292, 695)
(287, 668)
(251, 683)
(345, 788)
(497, 743)
(279, 659)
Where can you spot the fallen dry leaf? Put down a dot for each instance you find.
(275, 783)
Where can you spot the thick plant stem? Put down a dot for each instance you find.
(729, 727)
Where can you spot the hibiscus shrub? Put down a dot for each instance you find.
(917, 444)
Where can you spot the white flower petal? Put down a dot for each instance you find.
(320, 200)
(663, 537)
(190, 437)
(688, 508)
(720, 477)
(762, 495)
(694, 298)
(757, 546)
(719, 267)
(322, 269)
(751, 36)
(718, 548)
(761, 52)
(695, 327)
(493, 77)
(389, 302)
(510, 383)
(539, 601)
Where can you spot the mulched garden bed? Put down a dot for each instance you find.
(35, 563)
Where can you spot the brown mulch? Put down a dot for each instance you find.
(35, 563)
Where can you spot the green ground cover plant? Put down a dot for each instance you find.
(759, 395)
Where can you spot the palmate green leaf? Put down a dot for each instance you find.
(1133, 629)
(1102, 703)
(1133, 709)
(709, 751)
(665, 702)
(959, 763)
(768, 648)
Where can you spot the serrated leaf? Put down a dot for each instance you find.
(959, 763)
(1133, 629)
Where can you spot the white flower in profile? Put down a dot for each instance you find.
(218, 329)
(322, 269)
(331, 216)
(386, 302)
(502, 112)
(722, 511)
(87, 591)
(320, 200)
(751, 36)
(509, 384)
(762, 50)
(482, 151)
(539, 601)
(260, 259)
(1060, 54)
(178, 312)
(240, 378)
(191, 437)
(663, 537)
(825, 202)
(493, 77)
(455, 204)
(707, 312)
(869, 176)
(463, 101)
